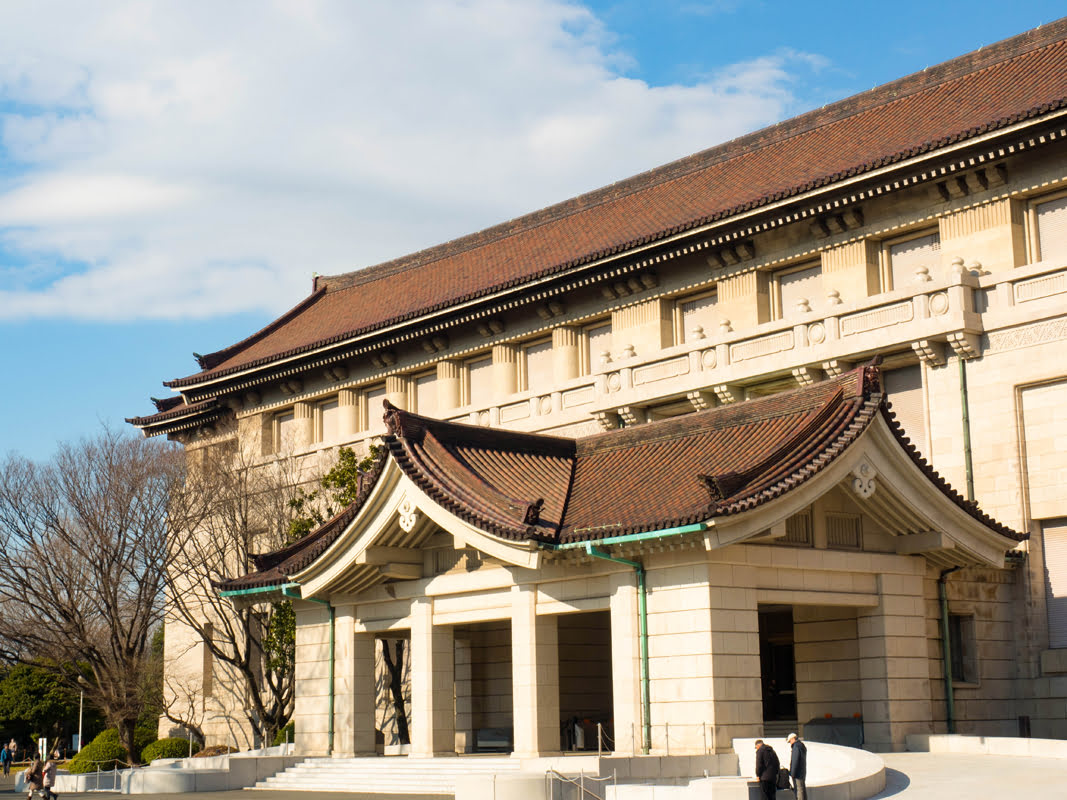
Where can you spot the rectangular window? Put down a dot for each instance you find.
(962, 642)
(843, 531)
(596, 341)
(1049, 223)
(796, 290)
(535, 366)
(207, 680)
(426, 394)
(284, 431)
(328, 421)
(904, 390)
(799, 529)
(375, 399)
(479, 383)
(1054, 541)
(695, 317)
(903, 258)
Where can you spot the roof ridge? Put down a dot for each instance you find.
(882, 95)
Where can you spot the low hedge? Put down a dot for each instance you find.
(168, 748)
(104, 755)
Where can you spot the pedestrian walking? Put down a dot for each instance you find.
(5, 760)
(48, 778)
(798, 766)
(33, 778)
(767, 766)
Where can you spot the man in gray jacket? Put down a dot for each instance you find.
(798, 766)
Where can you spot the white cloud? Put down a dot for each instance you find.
(200, 158)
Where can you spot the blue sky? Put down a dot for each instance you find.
(172, 174)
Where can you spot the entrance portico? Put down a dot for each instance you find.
(676, 535)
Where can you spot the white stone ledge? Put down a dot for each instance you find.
(987, 745)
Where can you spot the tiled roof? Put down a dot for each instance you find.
(1014, 80)
(687, 469)
(173, 408)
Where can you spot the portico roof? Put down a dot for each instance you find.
(724, 467)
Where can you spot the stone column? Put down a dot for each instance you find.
(625, 664)
(535, 676)
(565, 349)
(433, 716)
(396, 390)
(354, 687)
(894, 662)
(448, 385)
(348, 406)
(303, 426)
(505, 371)
(464, 692)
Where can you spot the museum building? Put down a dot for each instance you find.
(765, 436)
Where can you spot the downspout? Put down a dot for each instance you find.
(946, 649)
(642, 623)
(294, 593)
(965, 409)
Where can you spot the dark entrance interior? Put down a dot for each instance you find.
(585, 687)
(777, 667)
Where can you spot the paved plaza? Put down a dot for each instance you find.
(909, 776)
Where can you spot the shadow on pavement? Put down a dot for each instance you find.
(895, 783)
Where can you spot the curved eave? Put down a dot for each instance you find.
(397, 517)
(179, 422)
(918, 510)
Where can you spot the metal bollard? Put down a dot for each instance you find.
(599, 739)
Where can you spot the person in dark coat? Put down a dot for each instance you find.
(798, 766)
(767, 767)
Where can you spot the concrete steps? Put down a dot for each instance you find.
(385, 775)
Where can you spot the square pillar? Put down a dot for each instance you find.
(354, 687)
(736, 684)
(894, 663)
(535, 676)
(433, 716)
(626, 663)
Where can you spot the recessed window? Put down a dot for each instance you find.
(799, 530)
(535, 366)
(695, 317)
(843, 531)
(903, 259)
(478, 383)
(964, 651)
(328, 421)
(284, 431)
(375, 400)
(595, 342)
(795, 291)
(1048, 223)
(426, 394)
(904, 390)
(1054, 544)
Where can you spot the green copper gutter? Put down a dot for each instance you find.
(590, 549)
(260, 590)
(965, 408)
(289, 591)
(946, 649)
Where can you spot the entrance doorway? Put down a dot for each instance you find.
(585, 687)
(484, 716)
(777, 668)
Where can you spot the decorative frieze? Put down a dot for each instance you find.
(1028, 335)
(1043, 286)
(762, 346)
(883, 317)
(662, 370)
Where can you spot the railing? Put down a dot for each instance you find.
(584, 786)
(687, 738)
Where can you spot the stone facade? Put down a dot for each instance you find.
(945, 264)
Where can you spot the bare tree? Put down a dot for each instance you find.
(249, 509)
(83, 559)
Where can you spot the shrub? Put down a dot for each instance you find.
(107, 750)
(99, 754)
(216, 750)
(280, 737)
(167, 748)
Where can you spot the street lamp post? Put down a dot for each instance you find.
(81, 705)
